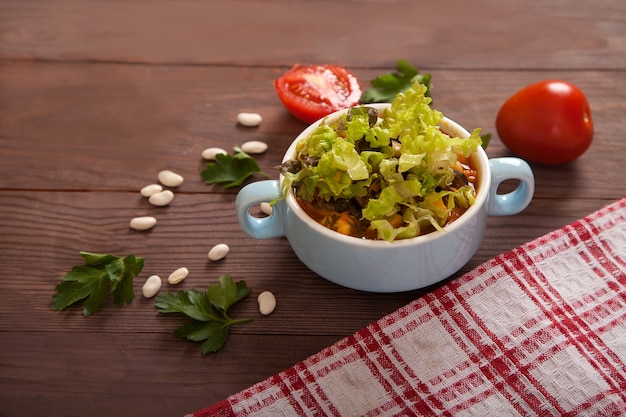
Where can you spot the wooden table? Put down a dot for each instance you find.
(97, 97)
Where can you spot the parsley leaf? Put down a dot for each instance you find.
(485, 138)
(208, 310)
(93, 281)
(385, 87)
(229, 170)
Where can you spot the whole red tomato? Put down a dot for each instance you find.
(548, 122)
(311, 92)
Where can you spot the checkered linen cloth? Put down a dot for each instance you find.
(540, 330)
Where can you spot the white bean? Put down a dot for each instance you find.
(170, 178)
(143, 223)
(210, 154)
(254, 147)
(267, 303)
(218, 252)
(178, 275)
(249, 119)
(266, 208)
(162, 198)
(151, 287)
(148, 190)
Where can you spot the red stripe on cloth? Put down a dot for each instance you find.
(410, 392)
(538, 330)
(324, 406)
(500, 364)
(383, 369)
(576, 330)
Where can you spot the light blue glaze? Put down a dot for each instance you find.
(378, 266)
(382, 266)
(509, 168)
(253, 194)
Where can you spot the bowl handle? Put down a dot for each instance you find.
(509, 168)
(256, 193)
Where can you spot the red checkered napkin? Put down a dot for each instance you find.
(540, 330)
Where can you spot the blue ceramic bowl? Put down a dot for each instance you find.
(380, 266)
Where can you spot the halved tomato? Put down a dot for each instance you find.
(311, 92)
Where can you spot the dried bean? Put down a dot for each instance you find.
(267, 303)
(148, 190)
(249, 119)
(170, 178)
(142, 223)
(161, 199)
(210, 154)
(218, 252)
(151, 287)
(178, 275)
(254, 147)
(266, 208)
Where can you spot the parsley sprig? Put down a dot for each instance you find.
(92, 282)
(386, 86)
(208, 310)
(231, 170)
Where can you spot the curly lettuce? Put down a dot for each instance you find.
(400, 163)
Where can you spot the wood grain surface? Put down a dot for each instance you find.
(96, 97)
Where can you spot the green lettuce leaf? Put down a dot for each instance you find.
(404, 153)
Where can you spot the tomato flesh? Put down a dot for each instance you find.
(548, 122)
(313, 91)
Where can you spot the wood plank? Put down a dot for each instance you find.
(120, 375)
(43, 232)
(136, 120)
(443, 34)
(97, 97)
(126, 359)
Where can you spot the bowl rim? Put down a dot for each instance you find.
(482, 190)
